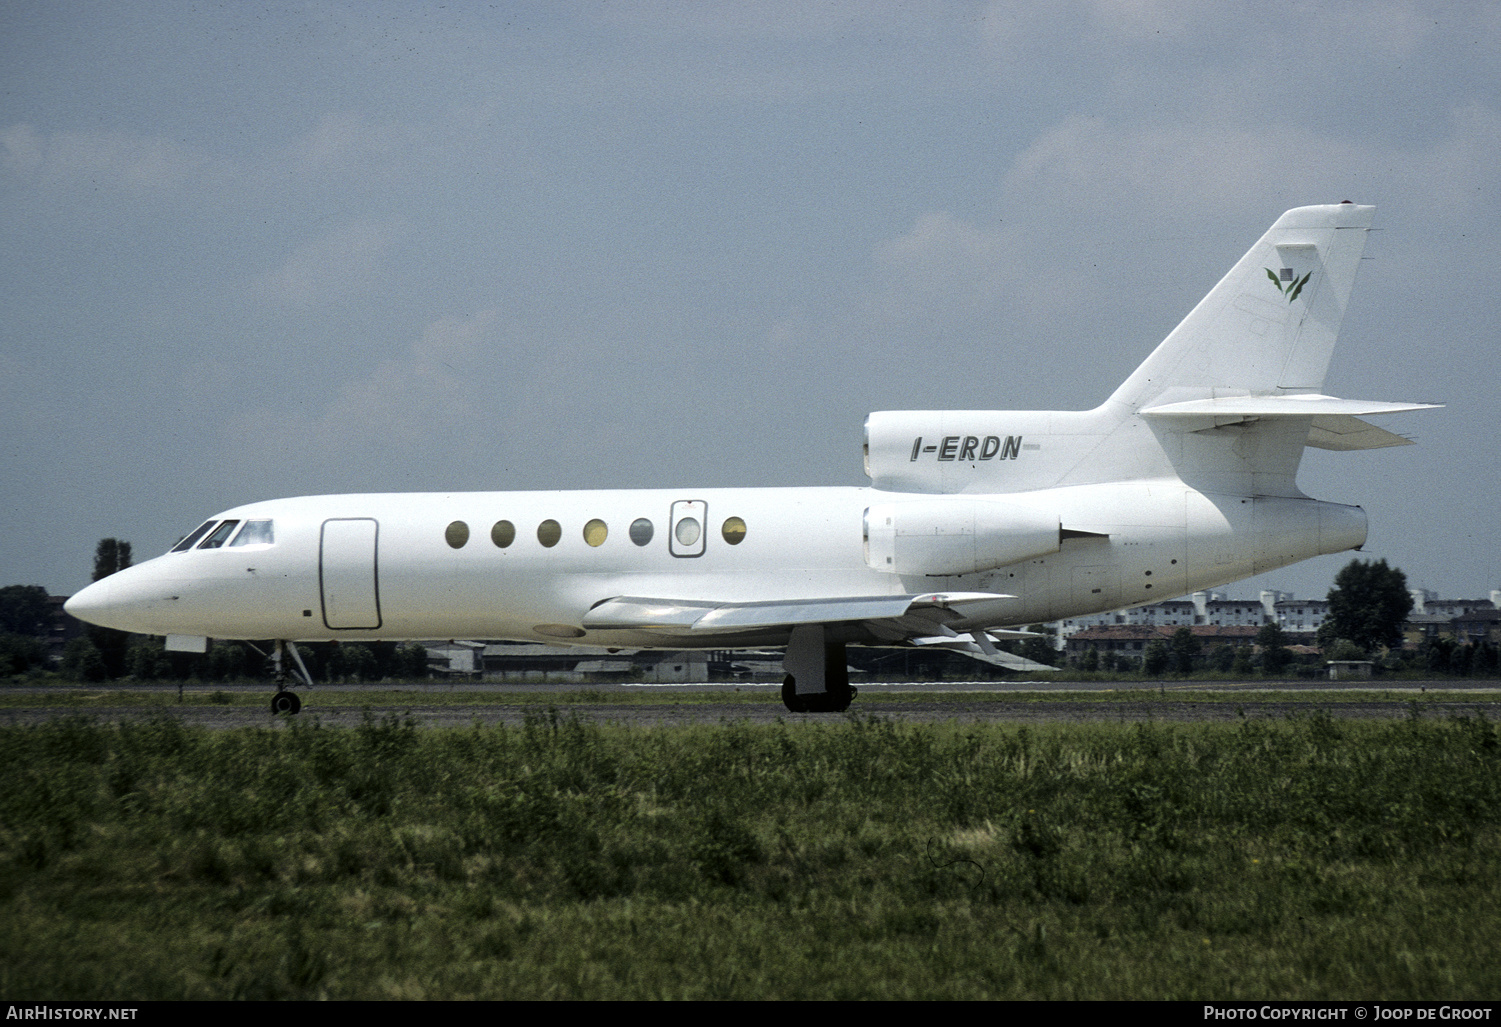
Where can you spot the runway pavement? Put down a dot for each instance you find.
(661, 705)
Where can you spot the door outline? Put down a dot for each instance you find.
(683, 509)
(342, 577)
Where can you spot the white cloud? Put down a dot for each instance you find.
(343, 142)
(780, 20)
(1092, 167)
(23, 150)
(948, 262)
(343, 261)
(1085, 166)
(114, 160)
(421, 402)
(1382, 28)
(1094, 208)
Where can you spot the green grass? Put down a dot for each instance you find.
(1308, 858)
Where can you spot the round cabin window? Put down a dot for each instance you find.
(733, 531)
(457, 534)
(503, 534)
(549, 532)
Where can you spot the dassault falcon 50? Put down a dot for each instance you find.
(975, 522)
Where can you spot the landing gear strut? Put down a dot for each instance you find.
(285, 701)
(817, 678)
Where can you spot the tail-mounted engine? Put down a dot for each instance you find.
(951, 535)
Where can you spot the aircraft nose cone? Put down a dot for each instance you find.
(95, 604)
(134, 599)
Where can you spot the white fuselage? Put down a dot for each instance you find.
(384, 566)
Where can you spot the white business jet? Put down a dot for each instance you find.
(975, 522)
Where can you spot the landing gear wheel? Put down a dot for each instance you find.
(286, 702)
(790, 698)
(826, 702)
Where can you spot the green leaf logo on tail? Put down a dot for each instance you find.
(1292, 287)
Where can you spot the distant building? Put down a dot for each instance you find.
(1202, 608)
(1300, 616)
(1422, 627)
(1132, 639)
(1478, 626)
(1227, 613)
(1299, 619)
(1465, 620)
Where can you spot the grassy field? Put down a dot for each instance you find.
(856, 857)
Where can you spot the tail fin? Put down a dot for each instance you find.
(1268, 328)
(1226, 403)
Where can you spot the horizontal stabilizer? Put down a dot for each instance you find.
(684, 616)
(999, 658)
(1346, 434)
(1308, 405)
(1333, 423)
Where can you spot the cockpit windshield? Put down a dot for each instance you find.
(191, 540)
(255, 533)
(221, 533)
(216, 533)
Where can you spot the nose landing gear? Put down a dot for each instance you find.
(285, 701)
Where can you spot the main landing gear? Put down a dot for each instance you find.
(285, 701)
(830, 701)
(817, 678)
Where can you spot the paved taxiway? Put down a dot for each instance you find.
(1003, 702)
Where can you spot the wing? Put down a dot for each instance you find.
(895, 616)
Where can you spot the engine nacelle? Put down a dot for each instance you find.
(950, 535)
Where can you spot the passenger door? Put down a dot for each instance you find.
(348, 573)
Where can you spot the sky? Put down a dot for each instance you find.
(259, 250)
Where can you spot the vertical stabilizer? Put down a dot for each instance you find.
(1227, 402)
(1269, 326)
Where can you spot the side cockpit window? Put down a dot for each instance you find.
(220, 534)
(191, 540)
(255, 533)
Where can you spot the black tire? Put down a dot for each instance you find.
(828, 702)
(790, 697)
(286, 702)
